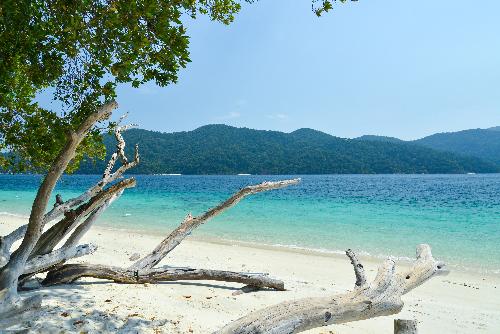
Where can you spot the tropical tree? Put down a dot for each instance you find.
(79, 52)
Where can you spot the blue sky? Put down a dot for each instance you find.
(390, 67)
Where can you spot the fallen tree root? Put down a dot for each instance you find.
(381, 297)
(71, 272)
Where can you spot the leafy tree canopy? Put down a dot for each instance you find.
(80, 51)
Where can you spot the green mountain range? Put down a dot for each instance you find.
(479, 143)
(222, 149)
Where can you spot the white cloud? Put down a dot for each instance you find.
(278, 116)
(230, 115)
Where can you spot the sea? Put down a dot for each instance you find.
(376, 215)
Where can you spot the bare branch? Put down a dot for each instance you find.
(107, 178)
(7, 241)
(144, 272)
(58, 231)
(83, 228)
(359, 271)
(42, 262)
(190, 222)
(423, 268)
(384, 277)
(15, 235)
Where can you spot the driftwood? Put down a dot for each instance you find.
(405, 326)
(53, 236)
(41, 263)
(143, 270)
(91, 204)
(381, 297)
(71, 272)
(7, 241)
(190, 222)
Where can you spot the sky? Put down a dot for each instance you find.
(388, 67)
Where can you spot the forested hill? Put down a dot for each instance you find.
(222, 149)
(481, 143)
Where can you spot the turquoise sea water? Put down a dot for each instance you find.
(459, 215)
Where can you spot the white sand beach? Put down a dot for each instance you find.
(457, 303)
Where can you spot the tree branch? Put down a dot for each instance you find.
(41, 263)
(7, 241)
(50, 238)
(190, 222)
(359, 271)
(83, 228)
(143, 271)
(71, 272)
(107, 178)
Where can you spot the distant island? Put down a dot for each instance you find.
(223, 149)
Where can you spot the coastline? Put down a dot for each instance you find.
(378, 216)
(457, 303)
(471, 269)
(337, 254)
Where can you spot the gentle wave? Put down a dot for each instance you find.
(361, 253)
(5, 213)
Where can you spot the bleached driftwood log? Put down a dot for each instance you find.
(70, 272)
(381, 297)
(143, 270)
(190, 222)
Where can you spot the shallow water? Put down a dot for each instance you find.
(459, 215)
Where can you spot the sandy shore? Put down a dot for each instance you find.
(457, 303)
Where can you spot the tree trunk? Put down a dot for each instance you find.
(9, 274)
